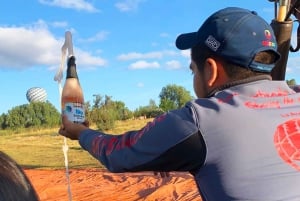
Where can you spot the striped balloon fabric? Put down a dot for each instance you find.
(36, 94)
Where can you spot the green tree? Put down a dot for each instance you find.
(122, 111)
(173, 97)
(2, 120)
(103, 113)
(105, 118)
(88, 109)
(291, 82)
(150, 111)
(97, 101)
(106, 114)
(32, 115)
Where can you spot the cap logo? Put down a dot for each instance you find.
(212, 43)
(268, 42)
(268, 35)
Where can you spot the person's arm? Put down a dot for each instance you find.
(171, 142)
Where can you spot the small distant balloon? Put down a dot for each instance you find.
(36, 94)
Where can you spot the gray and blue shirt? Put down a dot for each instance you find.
(241, 143)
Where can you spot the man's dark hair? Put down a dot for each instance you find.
(200, 53)
(14, 183)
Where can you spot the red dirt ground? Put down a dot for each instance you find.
(98, 185)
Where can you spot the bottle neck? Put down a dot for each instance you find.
(71, 68)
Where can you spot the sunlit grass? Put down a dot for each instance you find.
(123, 126)
(43, 148)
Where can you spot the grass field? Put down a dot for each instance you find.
(43, 149)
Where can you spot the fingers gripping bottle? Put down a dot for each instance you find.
(72, 100)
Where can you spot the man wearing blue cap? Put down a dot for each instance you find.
(240, 138)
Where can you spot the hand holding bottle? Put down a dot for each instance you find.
(70, 129)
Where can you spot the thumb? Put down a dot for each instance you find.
(65, 121)
(64, 125)
(64, 118)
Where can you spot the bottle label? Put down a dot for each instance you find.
(74, 112)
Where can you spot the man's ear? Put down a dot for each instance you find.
(211, 74)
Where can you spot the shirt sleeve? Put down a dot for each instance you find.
(171, 142)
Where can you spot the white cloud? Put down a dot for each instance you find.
(72, 4)
(293, 67)
(26, 47)
(143, 65)
(140, 85)
(136, 55)
(164, 35)
(21, 47)
(293, 63)
(186, 53)
(61, 24)
(154, 44)
(100, 36)
(173, 64)
(149, 55)
(88, 60)
(294, 39)
(128, 5)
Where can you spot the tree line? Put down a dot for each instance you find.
(102, 112)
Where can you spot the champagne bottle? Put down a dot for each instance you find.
(72, 100)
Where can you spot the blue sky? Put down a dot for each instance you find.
(124, 48)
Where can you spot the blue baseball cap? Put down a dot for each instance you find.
(237, 35)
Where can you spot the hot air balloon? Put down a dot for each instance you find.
(36, 94)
